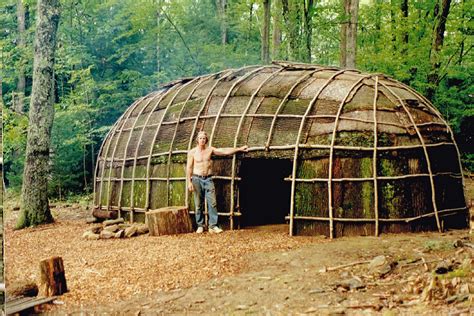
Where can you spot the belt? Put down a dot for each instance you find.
(202, 177)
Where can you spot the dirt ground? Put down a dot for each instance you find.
(259, 271)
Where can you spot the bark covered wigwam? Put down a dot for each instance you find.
(34, 198)
(364, 146)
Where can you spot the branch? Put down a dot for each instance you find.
(182, 39)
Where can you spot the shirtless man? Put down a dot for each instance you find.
(199, 176)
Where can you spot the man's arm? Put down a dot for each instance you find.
(189, 169)
(229, 151)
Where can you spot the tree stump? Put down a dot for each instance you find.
(169, 220)
(53, 278)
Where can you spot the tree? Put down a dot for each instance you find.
(34, 199)
(348, 47)
(20, 93)
(222, 13)
(266, 32)
(441, 16)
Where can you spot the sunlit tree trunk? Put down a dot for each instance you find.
(276, 35)
(34, 198)
(222, 13)
(348, 46)
(307, 29)
(266, 32)
(20, 88)
(352, 35)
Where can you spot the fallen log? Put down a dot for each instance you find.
(105, 214)
(52, 277)
(168, 221)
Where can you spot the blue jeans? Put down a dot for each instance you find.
(204, 188)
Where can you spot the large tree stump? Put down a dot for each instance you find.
(52, 279)
(169, 220)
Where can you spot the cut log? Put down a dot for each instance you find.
(110, 222)
(169, 220)
(104, 214)
(52, 277)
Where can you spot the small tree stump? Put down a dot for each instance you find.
(169, 220)
(52, 279)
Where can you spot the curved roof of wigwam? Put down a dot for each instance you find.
(283, 106)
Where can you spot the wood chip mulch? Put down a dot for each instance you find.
(104, 271)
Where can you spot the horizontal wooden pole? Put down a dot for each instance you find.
(165, 179)
(406, 220)
(451, 174)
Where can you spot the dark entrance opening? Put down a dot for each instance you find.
(264, 194)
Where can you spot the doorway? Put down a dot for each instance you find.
(264, 194)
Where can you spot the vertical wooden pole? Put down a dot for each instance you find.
(122, 172)
(234, 156)
(331, 155)
(283, 101)
(374, 160)
(168, 167)
(427, 157)
(131, 108)
(297, 143)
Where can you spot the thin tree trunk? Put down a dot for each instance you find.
(352, 35)
(308, 29)
(404, 25)
(266, 32)
(343, 34)
(20, 88)
(393, 25)
(291, 17)
(436, 46)
(222, 13)
(276, 35)
(158, 35)
(34, 198)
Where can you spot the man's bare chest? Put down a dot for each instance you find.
(202, 156)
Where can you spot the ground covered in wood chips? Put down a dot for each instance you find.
(253, 271)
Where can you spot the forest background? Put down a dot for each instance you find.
(111, 52)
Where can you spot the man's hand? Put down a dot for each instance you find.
(190, 186)
(244, 148)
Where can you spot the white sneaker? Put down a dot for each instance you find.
(215, 230)
(200, 230)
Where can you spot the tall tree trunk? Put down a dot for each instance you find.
(20, 88)
(404, 26)
(393, 25)
(352, 35)
(34, 198)
(266, 32)
(348, 46)
(441, 17)
(308, 29)
(158, 34)
(222, 13)
(291, 16)
(276, 35)
(343, 34)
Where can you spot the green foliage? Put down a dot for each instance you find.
(112, 52)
